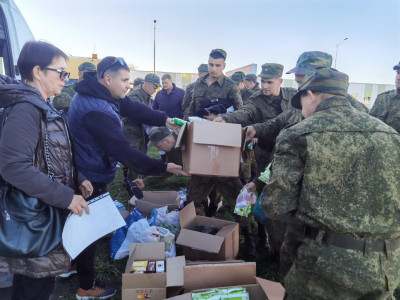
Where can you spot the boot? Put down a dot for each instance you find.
(249, 242)
(262, 241)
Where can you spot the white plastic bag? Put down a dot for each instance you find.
(243, 202)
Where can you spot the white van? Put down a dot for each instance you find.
(14, 33)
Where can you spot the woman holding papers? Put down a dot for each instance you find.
(36, 157)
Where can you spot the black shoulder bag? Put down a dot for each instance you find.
(28, 226)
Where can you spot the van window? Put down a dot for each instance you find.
(6, 60)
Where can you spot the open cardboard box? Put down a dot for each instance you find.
(152, 285)
(202, 246)
(211, 148)
(157, 199)
(208, 276)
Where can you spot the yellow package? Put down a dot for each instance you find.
(139, 265)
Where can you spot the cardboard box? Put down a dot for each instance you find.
(211, 148)
(208, 276)
(202, 246)
(140, 286)
(157, 199)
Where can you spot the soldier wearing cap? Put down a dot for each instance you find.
(336, 173)
(137, 83)
(133, 129)
(251, 83)
(264, 105)
(62, 101)
(202, 71)
(214, 90)
(387, 105)
(238, 78)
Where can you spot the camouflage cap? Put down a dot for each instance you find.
(238, 77)
(218, 51)
(271, 70)
(157, 134)
(324, 80)
(309, 61)
(203, 68)
(251, 77)
(153, 78)
(87, 66)
(397, 66)
(138, 81)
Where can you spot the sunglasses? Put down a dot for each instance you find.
(63, 74)
(118, 60)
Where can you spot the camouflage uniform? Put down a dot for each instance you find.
(200, 186)
(62, 101)
(222, 89)
(188, 97)
(259, 109)
(387, 109)
(245, 93)
(135, 131)
(337, 174)
(256, 88)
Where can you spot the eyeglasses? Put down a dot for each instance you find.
(63, 74)
(119, 60)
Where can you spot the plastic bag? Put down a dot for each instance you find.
(264, 177)
(182, 195)
(118, 242)
(243, 203)
(162, 218)
(258, 212)
(159, 234)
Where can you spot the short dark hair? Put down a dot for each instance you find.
(166, 76)
(111, 64)
(217, 55)
(36, 54)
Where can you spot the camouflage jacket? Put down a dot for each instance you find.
(62, 101)
(223, 88)
(245, 93)
(133, 130)
(269, 130)
(188, 97)
(387, 109)
(260, 108)
(338, 170)
(256, 88)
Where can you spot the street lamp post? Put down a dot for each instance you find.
(337, 47)
(154, 69)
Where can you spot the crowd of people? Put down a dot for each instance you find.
(332, 199)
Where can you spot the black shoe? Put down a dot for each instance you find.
(249, 242)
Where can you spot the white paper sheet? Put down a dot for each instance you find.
(80, 231)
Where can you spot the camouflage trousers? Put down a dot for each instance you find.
(328, 272)
(200, 187)
(248, 167)
(142, 147)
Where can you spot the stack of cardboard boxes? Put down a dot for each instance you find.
(214, 149)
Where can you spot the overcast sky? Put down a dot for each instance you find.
(250, 31)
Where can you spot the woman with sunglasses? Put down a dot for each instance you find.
(36, 157)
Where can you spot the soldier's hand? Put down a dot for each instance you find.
(176, 169)
(219, 119)
(86, 189)
(250, 133)
(210, 117)
(254, 141)
(251, 187)
(171, 125)
(78, 204)
(139, 182)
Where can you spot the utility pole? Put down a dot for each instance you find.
(154, 70)
(337, 47)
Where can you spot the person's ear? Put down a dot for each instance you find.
(36, 72)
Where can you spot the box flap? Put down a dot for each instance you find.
(187, 214)
(208, 262)
(180, 140)
(187, 296)
(217, 275)
(174, 270)
(143, 293)
(273, 290)
(200, 241)
(216, 133)
(227, 229)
